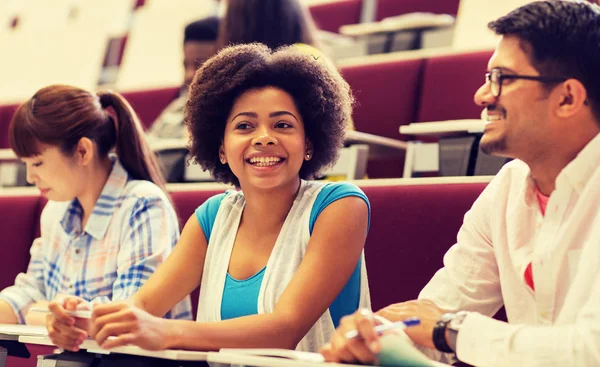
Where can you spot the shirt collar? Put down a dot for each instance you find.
(579, 171)
(575, 174)
(530, 189)
(98, 222)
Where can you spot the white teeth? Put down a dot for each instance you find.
(264, 161)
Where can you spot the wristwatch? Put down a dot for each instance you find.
(445, 331)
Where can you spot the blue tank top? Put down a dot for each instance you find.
(240, 296)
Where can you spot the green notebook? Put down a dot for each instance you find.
(398, 350)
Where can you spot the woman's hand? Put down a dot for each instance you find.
(363, 348)
(122, 323)
(66, 331)
(36, 318)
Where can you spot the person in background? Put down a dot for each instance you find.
(198, 46)
(274, 23)
(531, 241)
(266, 122)
(108, 223)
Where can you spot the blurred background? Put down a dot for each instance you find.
(407, 61)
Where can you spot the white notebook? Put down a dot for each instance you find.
(275, 352)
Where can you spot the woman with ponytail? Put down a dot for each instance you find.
(108, 223)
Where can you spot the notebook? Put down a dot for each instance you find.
(275, 352)
(398, 350)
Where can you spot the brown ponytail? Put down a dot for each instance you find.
(131, 146)
(61, 115)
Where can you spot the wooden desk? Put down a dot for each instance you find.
(416, 23)
(260, 361)
(444, 128)
(92, 347)
(9, 340)
(7, 155)
(379, 146)
(425, 157)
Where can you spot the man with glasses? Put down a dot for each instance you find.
(531, 241)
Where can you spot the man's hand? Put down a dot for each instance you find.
(424, 310)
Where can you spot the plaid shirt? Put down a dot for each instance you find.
(130, 232)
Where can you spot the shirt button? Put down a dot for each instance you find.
(545, 315)
(77, 251)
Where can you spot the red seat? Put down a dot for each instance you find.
(186, 203)
(18, 218)
(331, 16)
(6, 114)
(35, 350)
(390, 8)
(449, 84)
(148, 104)
(412, 227)
(386, 98)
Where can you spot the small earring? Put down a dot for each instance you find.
(307, 156)
(222, 160)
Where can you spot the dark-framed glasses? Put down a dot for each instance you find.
(496, 78)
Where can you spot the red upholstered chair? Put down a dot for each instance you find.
(35, 350)
(449, 84)
(331, 16)
(412, 227)
(386, 97)
(186, 203)
(6, 114)
(390, 8)
(18, 219)
(148, 104)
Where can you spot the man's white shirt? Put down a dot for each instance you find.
(558, 324)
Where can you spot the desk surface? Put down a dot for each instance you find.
(12, 332)
(92, 347)
(444, 128)
(260, 361)
(7, 155)
(403, 23)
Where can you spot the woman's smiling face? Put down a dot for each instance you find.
(264, 141)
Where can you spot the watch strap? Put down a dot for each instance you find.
(439, 334)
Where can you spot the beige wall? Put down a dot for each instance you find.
(471, 30)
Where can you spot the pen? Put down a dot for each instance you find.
(82, 314)
(380, 329)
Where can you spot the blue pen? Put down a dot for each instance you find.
(380, 329)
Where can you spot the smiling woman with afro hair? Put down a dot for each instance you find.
(280, 262)
(321, 95)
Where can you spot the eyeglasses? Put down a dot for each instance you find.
(496, 78)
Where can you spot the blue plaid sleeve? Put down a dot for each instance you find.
(29, 287)
(147, 239)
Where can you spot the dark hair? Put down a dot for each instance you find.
(274, 23)
(203, 30)
(321, 95)
(61, 115)
(561, 39)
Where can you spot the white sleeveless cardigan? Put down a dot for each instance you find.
(286, 256)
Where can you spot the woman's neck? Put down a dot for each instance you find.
(267, 209)
(96, 179)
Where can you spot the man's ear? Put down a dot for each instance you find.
(84, 151)
(572, 97)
